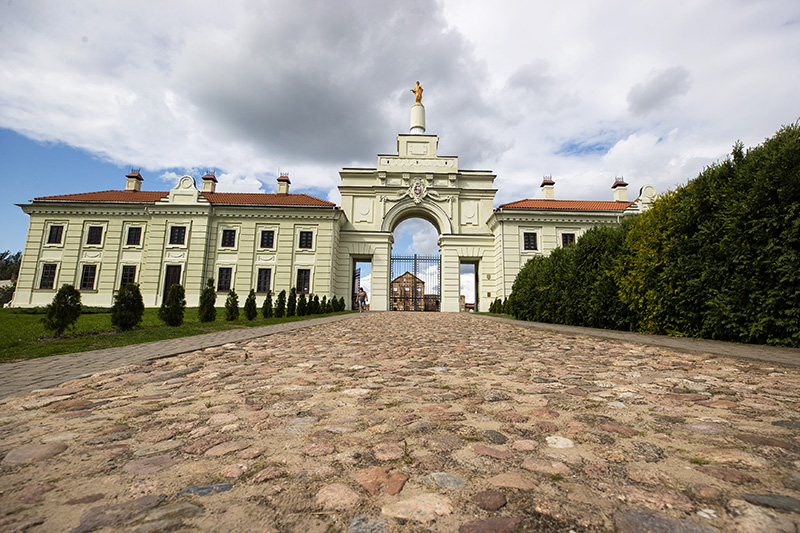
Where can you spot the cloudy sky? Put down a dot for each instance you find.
(580, 90)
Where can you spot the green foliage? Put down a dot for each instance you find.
(250, 308)
(266, 307)
(9, 264)
(63, 311)
(302, 305)
(342, 305)
(323, 306)
(232, 306)
(128, 308)
(7, 293)
(291, 303)
(207, 311)
(313, 307)
(171, 311)
(280, 307)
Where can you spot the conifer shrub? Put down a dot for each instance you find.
(280, 306)
(314, 306)
(266, 308)
(302, 305)
(232, 306)
(63, 311)
(323, 306)
(171, 311)
(342, 305)
(128, 308)
(250, 308)
(207, 311)
(291, 303)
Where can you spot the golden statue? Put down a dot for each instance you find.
(418, 92)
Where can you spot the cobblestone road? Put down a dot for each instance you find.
(410, 422)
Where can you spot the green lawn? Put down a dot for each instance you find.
(22, 334)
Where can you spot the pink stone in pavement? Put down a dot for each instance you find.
(33, 453)
(226, 447)
(222, 419)
(491, 525)
(512, 480)
(511, 416)
(234, 471)
(318, 449)
(31, 494)
(546, 466)
(619, 428)
(422, 508)
(157, 435)
(151, 465)
(387, 452)
(492, 452)
(252, 452)
(545, 413)
(337, 497)
(524, 445)
(547, 426)
(269, 473)
(375, 478)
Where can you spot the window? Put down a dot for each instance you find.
(306, 239)
(56, 232)
(264, 277)
(228, 238)
(567, 239)
(128, 275)
(177, 235)
(530, 241)
(267, 238)
(94, 235)
(224, 279)
(48, 278)
(134, 236)
(303, 280)
(87, 277)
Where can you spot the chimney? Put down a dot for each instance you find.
(283, 183)
(134, 182)
(620, 189)
(209, 182)
(548, 188)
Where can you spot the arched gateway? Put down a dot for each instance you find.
(273, 242)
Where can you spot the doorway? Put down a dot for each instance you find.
(172, 277)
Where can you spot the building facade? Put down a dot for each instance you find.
(100, 241)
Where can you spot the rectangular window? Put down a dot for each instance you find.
(94, 235)
(48, 276)
(224, 279)
(303, 280)
(264, 276)
(267, 238)
(567, 239)
(56, 232)
(530, 241)
(134, 236)
(87, 277)
(177, 235)
(228, 238)
(306, 239)
(128, 275)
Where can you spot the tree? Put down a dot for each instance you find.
(266, 307)
(323, 306)
(7, 293)
(172, 309)
(291, 303)
(232, 306)
(128, 308)
(313, 307)
(9, 264)
(302, 306)
(63, 311)
(342, 305)
(280, 307)
(250, 309)
(208, 299)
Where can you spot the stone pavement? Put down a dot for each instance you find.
(410, 422)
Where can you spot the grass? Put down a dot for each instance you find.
(22, 334)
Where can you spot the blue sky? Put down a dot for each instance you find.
(582, 91)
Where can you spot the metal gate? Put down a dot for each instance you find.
(416, 283)
(356, 285)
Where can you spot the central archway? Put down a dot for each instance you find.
(415, 266)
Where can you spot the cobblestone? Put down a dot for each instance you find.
(403, 422)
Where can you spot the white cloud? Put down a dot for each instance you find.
(659, 90)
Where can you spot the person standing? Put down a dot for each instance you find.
(361, 299)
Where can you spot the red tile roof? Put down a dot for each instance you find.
(567, 205)
(216, 198)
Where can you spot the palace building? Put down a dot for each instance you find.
(100, 241)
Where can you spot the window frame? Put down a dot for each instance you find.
(82, 276)
(171, 227)
(261, 232)
(54, 284)
(87, 230)
(537, 232)
(299, 230)
(297, 271)
(223, 229)
(573, 236)
(229, 280)
(126, 232)
(48, 230)
(122, 282)
(258, 279)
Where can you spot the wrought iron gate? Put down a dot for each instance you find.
(416, 283)
(356, 285)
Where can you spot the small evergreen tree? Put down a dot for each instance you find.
(323, 306)
(314, 306)
(291, 303)
(63, 311)
(128, 308)
(172, 309)
(342, 305)
(250, 309)
(280, 307)
(232, 306)
(266, 307)
(208, 299)
(302, 306)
